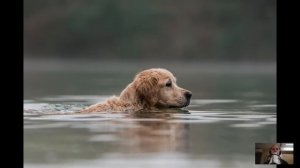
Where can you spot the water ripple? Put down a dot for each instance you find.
(239, 115)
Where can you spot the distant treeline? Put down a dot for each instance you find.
(133, 29)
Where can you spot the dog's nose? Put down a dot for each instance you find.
(188, 95)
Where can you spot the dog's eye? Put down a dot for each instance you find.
(169, 84)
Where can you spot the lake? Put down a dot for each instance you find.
(233, 107)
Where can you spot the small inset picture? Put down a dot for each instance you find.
(274, 153)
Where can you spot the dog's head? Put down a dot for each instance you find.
(157, 88)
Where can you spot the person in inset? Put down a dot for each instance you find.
(274, 156)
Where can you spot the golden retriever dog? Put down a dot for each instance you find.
(151, 89)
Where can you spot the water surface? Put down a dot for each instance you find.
(231, 109)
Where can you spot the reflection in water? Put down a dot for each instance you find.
(153, 133)
(221, 134)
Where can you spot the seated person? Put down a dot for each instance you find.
(274, 156)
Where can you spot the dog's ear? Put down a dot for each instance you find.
(147, 89)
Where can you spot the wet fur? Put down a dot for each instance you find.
(148, 91)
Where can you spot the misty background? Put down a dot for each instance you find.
(192, 30)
